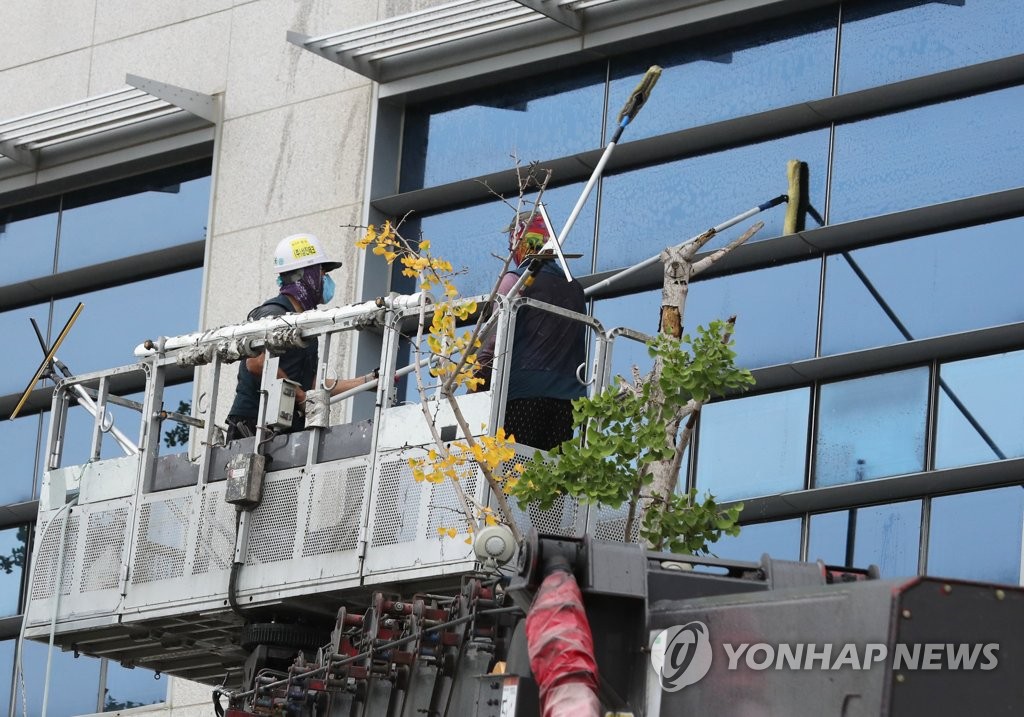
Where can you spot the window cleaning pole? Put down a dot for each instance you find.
(590, 290)
(628, 112)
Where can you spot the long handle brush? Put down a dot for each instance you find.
(796, 212)
(637, 99)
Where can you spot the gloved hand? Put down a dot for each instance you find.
(376, 374)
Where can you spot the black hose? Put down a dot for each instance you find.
(232, 590)
(236, 567)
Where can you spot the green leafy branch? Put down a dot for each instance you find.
(627, 432)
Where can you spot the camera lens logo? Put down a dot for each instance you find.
(681, 655)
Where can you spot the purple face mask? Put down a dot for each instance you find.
(308, 290)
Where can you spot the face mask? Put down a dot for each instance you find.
(328, 290)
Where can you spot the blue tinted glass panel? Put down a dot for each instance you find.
(116, 320)
(776, 311)
(19, 445)
(12, 562)
(977, 536)
(990, 394)
(889, 40)
(884, 535)
(7, 648)
(475, 242)
(28, 239)
(74, 682)
(730, 74)
(780, 539)
(926, 284)
(772, 429)
(928, 155)
(22, 352)
(145, 213)
(132, 688)
(871, 427)
(558, 114)
(646, 210)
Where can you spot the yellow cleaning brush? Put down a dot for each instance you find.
(798, 202)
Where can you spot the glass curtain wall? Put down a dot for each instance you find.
(920, 189)
(86, 238)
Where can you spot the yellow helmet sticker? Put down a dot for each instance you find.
(301, 248)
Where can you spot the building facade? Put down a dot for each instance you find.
(152, 156)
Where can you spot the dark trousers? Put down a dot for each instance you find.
(543, 423)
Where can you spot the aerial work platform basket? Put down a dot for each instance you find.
(134, 553)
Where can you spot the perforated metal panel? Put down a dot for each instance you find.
(334, 510)
(610, 523)
(562, 518)
(274, 522)
(445, 509)
(163, 539)
(215, 540)
(405, 516)
(104, 543)
(46, 558)
(397, 510)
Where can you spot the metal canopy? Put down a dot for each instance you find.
(410, 44)
(137, 106)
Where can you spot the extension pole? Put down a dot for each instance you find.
(712, 231)
(372, 385)
(628, 112)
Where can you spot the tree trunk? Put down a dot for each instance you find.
(678, 270)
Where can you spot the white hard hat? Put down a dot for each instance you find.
(299, 251)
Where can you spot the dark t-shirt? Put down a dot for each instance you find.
(548, 348)
(298, 364)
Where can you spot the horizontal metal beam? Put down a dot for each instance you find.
(114, 272)
(882, 490)
(950, 347)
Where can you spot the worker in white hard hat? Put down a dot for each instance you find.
(303, 269)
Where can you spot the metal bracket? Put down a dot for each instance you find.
(196, 103)
(21, 156)
(553, 10)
